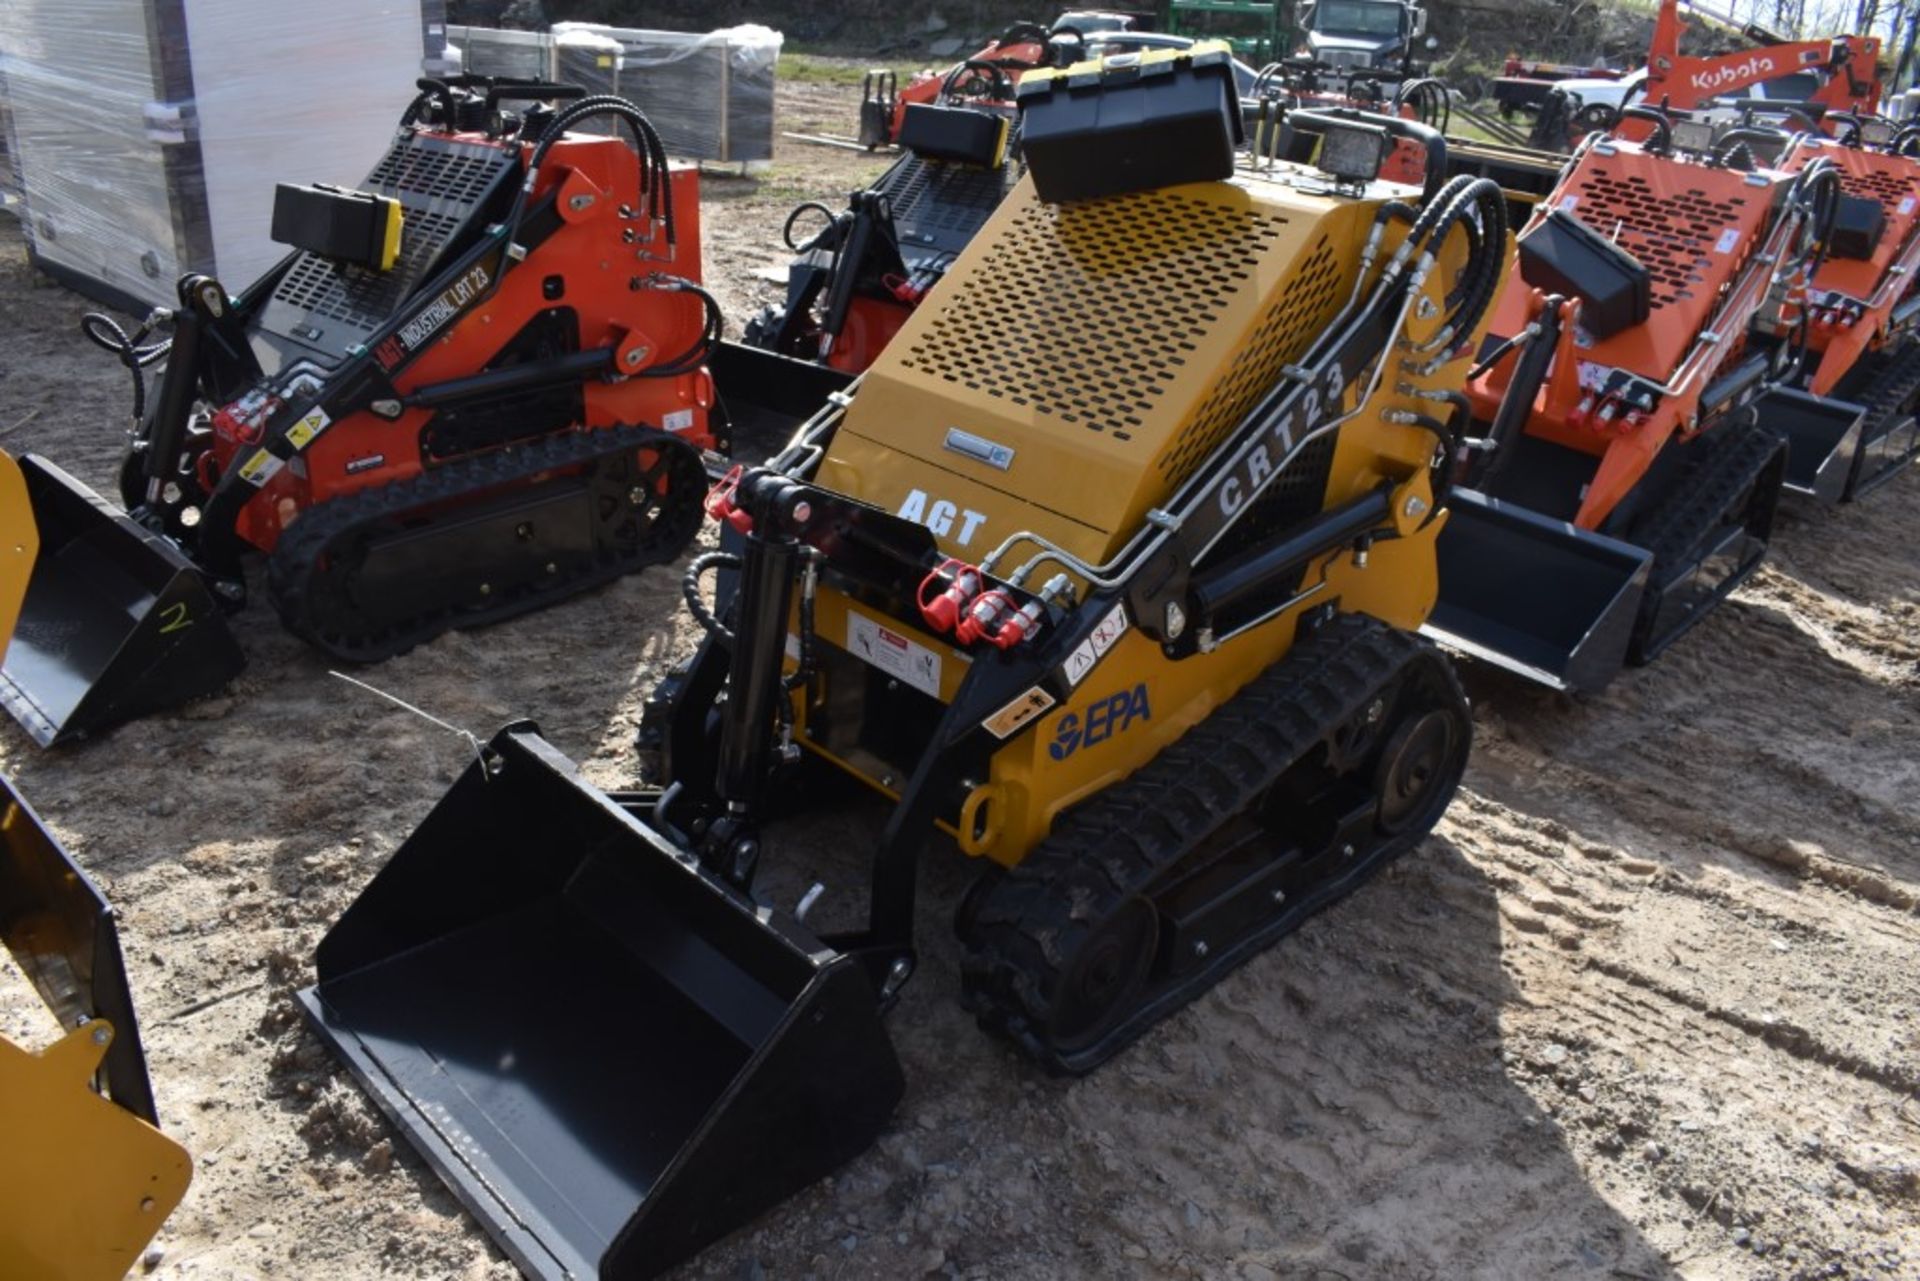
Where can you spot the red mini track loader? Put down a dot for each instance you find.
(857, 279)
(473, 388)
(986, 79)
(1623, 485)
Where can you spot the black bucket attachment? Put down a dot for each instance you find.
(61, 933)
(611, 1056)
(764, 396)
(1823, 441)
(1536, 596)
(1887, 448)
(117, 622)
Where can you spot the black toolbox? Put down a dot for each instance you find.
(338, 223)
(1563, 255)
(958, 134)
(1130, 122)
(1858, 225)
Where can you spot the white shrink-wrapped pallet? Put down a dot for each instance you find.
(148, 134)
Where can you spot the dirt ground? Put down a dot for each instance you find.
(1643, 1007)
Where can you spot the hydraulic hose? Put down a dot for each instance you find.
(690, 590)
(1749, 134)
(1816, 191)
(1432, 104)
(1480, 207)
(713, 329)
(655, 184)
(998, 84)
(1517, 404)
(786, 231)
(1498, 354)
(105, 332)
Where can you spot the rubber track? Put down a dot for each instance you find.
(1891, 396)
(291, 570)
(1678, 527)
(1124, 838)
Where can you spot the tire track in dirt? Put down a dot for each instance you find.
(1708, 881)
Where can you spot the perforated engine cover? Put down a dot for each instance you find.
(1107, 344)
(1691, 226)
(320, 308)
(1893, 183)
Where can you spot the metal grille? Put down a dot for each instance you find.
(1287, 502)
(1880, 185)
(427, 174)
(1304, 308)
(1673, 237)
(340, 291)
(1105, 301)
(940, 206)
(328, 306)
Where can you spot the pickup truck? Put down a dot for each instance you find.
(1597, 102)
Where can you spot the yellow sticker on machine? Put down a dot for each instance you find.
(309, 426)
(1004, 722)
(260, 468)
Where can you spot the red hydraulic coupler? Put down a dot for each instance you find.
(720, 501)
(945, 592)
(995, 619)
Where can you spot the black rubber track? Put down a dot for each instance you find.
(298, 570)
(1739, 471)
(1023, 926)
(1890, 402)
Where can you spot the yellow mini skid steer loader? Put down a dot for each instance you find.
(1112, 579)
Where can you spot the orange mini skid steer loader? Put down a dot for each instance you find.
(1626, 487)
(1852, 419)
(476, 387)
(985, 80)
(861, 274)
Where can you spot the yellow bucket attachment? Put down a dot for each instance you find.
(19, 544)
(85, 1178)
(84, 1184)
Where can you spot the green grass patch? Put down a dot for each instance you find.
(810, 68)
